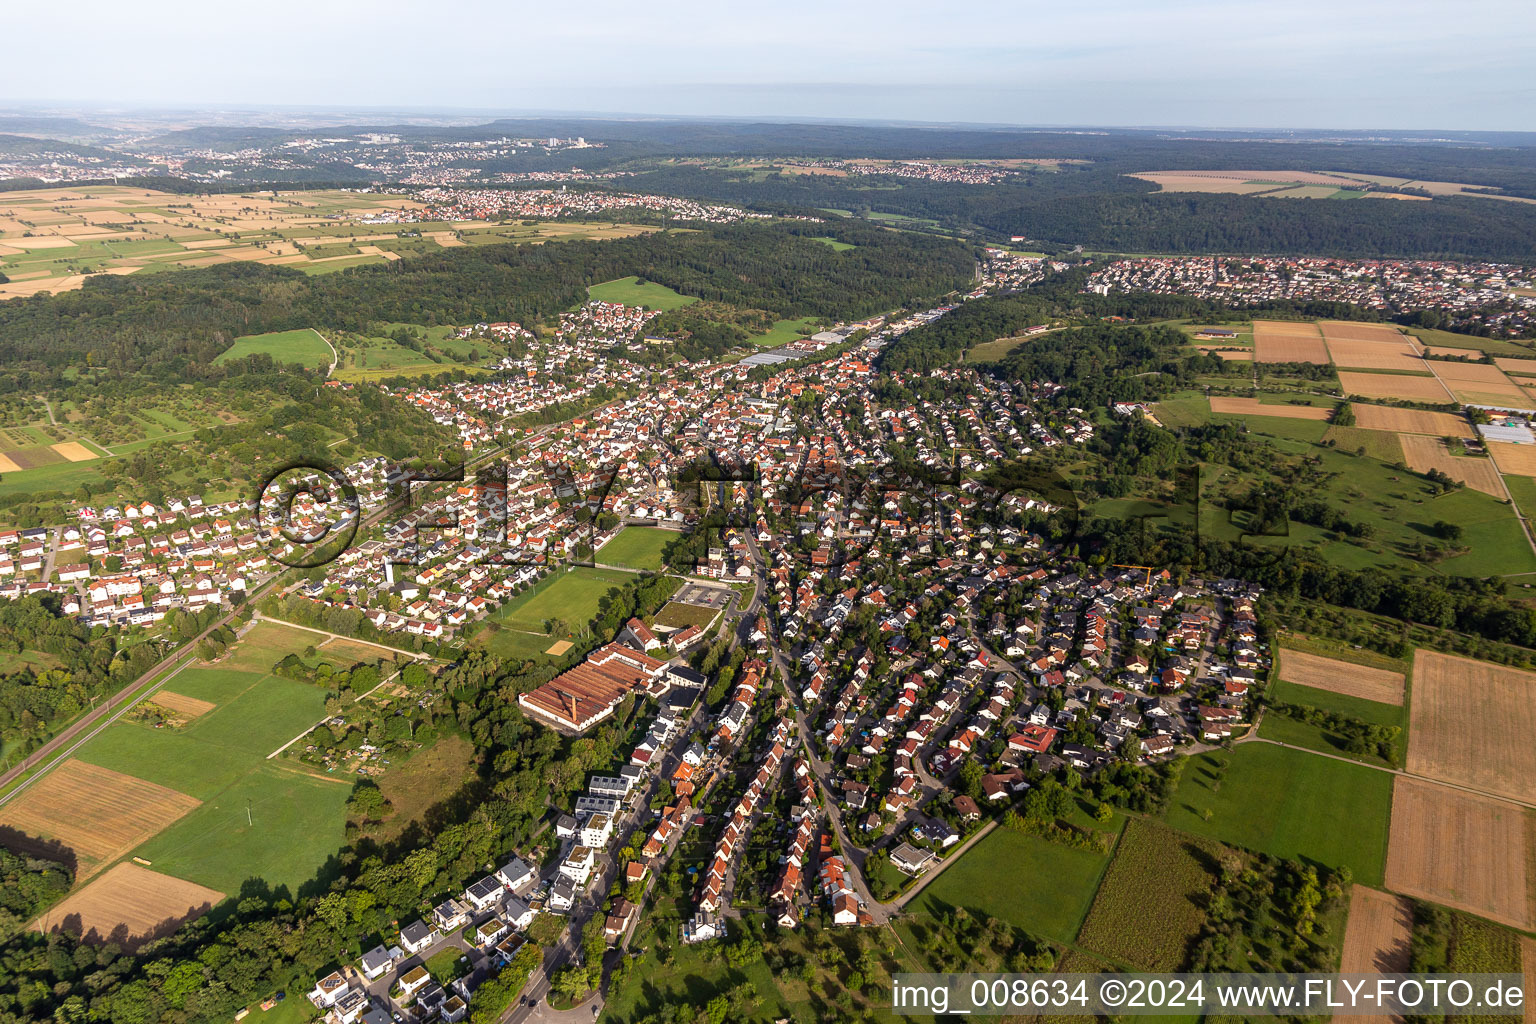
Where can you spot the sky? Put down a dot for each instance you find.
(1404, 64)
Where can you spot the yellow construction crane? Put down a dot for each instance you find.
(1148, 568)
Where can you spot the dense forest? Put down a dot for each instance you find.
(172, 325)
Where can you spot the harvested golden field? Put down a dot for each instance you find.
(1341, 676)
(1500, 396)
(1471, 723)
(74, 451)
(1520, 367)
(1423, 453)
(1175, 181)
(1375, 355)
(1288, 347)
(1377, 935)
(98, 813)
(1253, 407)
(1516, 459)
(187, 707)
(129, 903)
(1299, 328)
(1411, 421)
(1464, 851)
(1349, 330)
(1483, 373)
(1394, 385)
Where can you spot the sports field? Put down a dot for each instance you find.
(304, 347)
(1288, 803)
(570, 596)
(630, 292)
(1050, 885)
(785, 331)
(636, 547)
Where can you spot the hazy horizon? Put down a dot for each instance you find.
(1193, 63)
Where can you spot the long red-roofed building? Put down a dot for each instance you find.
(582, 696)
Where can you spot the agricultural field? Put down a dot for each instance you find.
(1410, 421)
(1285, 341)
(1378, 933)
(1288, 803)
(1352, 680)
(1298, 732)
(1395, 385)
(1463, 851)
(305, 347)
(1312, 185)
(53, 239)
(1375, 444)
(632, 292)
(1052, 888)
(1515, 459)
(636, 547)
(1150, 905)
(97, 813)
(1253, 407)
(196, 795)
(1423, 453)
(129, 903)
(1480, 384)
(1432, 338)
(1472, 723)
(1398, 508)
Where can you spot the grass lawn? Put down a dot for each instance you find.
(786, 331)
(259, 818)
(677, 615)
(304, 347)
(834, 243)
(295, 823)
(1288, 803)
(1048, 888)
(572, 596)
(630, 292)
(62, 476)
(636, 547)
